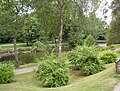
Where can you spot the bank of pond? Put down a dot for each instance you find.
(80, 62)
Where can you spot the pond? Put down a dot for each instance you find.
(25, 58)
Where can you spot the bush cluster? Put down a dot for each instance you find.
(6, 73)
(85, 59)
(108, 56)
(52, 72)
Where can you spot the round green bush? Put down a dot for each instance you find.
(108, 56)
(85, 59)
(91, 66)
(6, 73)
(52, 72)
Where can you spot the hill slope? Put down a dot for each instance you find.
(103, 81)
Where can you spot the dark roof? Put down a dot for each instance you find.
(117, 60)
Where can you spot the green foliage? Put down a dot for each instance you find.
(52, 72)
(75, 38)
(5, 50)
(6, 73)
(39, 46)
(95, 26)
(85, 59)
(113, 32)
(90, 41)
(6, 28)
(108, 56)
(33, 31)
(111, 47)
(10, 50)
(24, 49)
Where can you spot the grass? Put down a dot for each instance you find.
(101, 41)
(11, 45)
(8, 48)
(103, 81)
(28, 65)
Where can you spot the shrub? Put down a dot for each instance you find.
(52, 72)
(90, 41)
(85, 59)
(6, 73)
(39, 46)
(24, 49)
(108, 56)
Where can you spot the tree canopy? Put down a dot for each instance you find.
(113, 32)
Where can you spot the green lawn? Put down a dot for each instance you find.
(28, 65)
(5, 48)
(103, 81)
(11, 45)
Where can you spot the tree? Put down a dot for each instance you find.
(5, 32)
(15, 9)
(113, 32)
(95, 26)
(62, 5)
(83, 22)
(53, 14)
(33, 31)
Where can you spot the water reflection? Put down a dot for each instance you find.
(25, 58)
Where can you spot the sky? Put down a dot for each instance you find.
(108, 14)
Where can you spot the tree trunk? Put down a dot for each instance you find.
(27, 43)
(16, 53)
(55, 42)
(15, 47)
(61, 31)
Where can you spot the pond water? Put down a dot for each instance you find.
(27, 57)
(23, 57)
(102, 44)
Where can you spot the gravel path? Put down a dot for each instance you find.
(117, 49)
(117, 88)
(25, 70)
